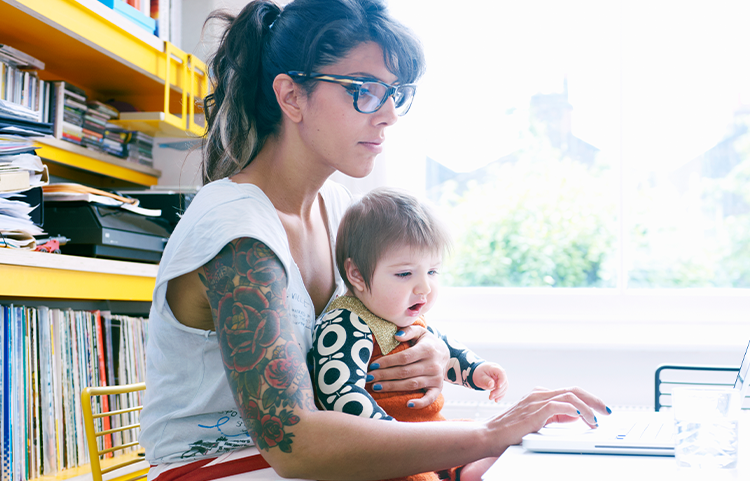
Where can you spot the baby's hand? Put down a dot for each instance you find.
(491, 377)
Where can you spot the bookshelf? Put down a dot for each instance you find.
(91, 46)
(38, 275)
(98, 166)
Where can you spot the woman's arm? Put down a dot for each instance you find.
(246, 287)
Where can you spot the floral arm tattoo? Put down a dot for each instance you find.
(246, 287)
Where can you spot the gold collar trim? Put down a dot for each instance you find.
(382, 329)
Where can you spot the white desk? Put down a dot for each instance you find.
(519, 464)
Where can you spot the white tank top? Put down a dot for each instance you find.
(189, 412)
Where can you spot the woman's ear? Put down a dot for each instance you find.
(354, 276)
(290, 97)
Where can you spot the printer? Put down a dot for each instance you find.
(108, 232)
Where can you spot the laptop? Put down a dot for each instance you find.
(642, 433)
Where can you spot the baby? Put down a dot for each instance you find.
(389, 250)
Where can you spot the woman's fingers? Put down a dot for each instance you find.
(585, 404)
(430, 397)
(541, 407)
(419, 367)
(584, 401)
(410, 384)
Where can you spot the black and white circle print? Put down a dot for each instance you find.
(358, 404)
(332, 376)
(343, 345)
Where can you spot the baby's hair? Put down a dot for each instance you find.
(383, 219)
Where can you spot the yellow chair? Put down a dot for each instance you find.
(101, 467)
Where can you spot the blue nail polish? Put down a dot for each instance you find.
(609, 411)
(596, 421)
(369, 378)
(377, 387)
(411, 405)
(400, 333)
(579, 412)
(374, 365)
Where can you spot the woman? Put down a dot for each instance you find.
(298, 95)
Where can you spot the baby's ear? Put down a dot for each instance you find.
(354, 276)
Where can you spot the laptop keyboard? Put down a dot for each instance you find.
(646, 432)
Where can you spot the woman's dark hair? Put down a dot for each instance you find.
(263, 41)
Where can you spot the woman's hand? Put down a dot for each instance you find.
(419, 367)
(544, 406)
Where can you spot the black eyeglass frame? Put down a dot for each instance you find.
(353, 84)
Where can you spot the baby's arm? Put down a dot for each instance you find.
(340, 353)
(467, 369)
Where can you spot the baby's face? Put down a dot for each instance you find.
(404, 285)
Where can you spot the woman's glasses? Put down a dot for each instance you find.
(369, 95)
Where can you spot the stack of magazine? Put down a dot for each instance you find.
(48, 357)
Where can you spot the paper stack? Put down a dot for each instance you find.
(21, 172)
(69, 192)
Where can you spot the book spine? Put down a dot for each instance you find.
(7, 441)
(102, 373)
(55, 315)
(48, 434)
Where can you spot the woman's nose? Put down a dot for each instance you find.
(387, 113)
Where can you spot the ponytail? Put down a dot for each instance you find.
(232, 109)
(261, 42)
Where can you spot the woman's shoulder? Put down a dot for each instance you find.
(221, 212)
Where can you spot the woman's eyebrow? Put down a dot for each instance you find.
(370, 76)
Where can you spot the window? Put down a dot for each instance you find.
(585, 144)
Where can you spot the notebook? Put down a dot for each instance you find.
(643, 433)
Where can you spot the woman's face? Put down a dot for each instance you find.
(336, 134)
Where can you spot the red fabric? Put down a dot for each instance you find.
(395, 404)
(196, 471)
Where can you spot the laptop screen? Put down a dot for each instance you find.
(742, 381)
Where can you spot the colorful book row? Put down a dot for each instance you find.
(48, 357)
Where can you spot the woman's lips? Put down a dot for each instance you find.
(376, 147)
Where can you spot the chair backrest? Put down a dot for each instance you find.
(668, 376)
(112, 426)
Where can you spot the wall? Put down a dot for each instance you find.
(622, 376)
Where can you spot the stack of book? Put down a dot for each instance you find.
(69, 110)
(48, 357)
(140, 149)
(115, 140)
(20, 84)
(95, 123)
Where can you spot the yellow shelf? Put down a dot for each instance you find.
(91, 46)
(154, 124)
(54, 276)
(72, 155)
